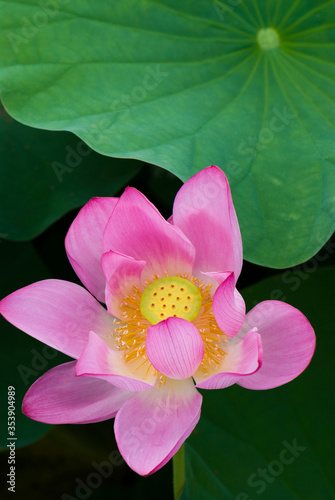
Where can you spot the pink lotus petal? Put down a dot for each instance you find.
(242, 358)
(175, 348)
(217, 277)
(229, 307)
(288, 342)
(138, 230)
(83, 243)
(152, 425)
(182, 439)
(59, 397)
(204, 211)
(99, 360)
(121, 273)
(58, 313)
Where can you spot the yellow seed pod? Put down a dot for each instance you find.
(170, 297)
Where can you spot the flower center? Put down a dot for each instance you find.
(268, 39)
(171, 296)
(144, 307)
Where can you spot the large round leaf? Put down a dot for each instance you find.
(187, 84)
(45, 174)
(276, 444)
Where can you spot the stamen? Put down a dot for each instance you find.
(177, 296)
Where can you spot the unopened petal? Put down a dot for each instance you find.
(229, 307)
(175, 348)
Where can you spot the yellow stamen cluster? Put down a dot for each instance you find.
(209, 330)
(131, 330)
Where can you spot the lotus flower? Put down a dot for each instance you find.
(174, 320)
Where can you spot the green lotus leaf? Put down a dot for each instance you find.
(247, 85)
